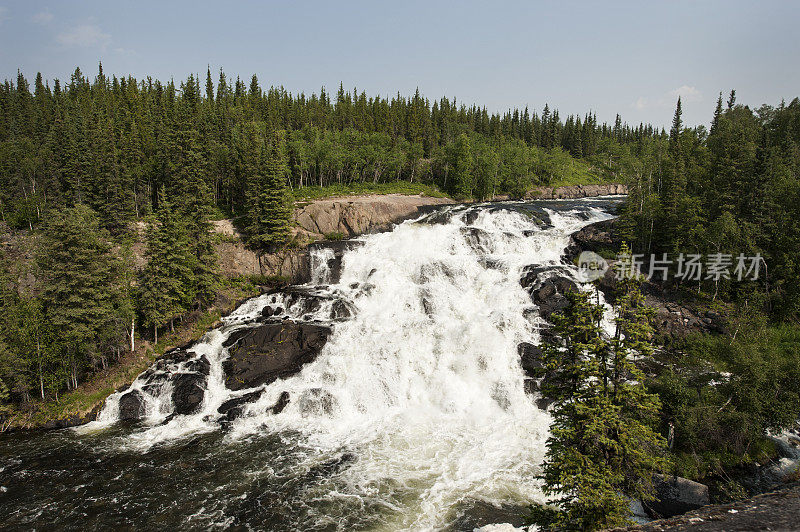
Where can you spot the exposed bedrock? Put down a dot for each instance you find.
(270, 351)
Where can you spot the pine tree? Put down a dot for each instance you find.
(166, 284)
(80, 279)
(269, 205)
(602, 449)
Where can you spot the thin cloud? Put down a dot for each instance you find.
(84, 35)
(43, 17)
(640, 104)
(687, 93)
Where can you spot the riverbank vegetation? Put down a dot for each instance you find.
(729, 191)
(732, 190)
(603, 448)
(84, 162)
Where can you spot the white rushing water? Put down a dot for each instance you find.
(423, 385)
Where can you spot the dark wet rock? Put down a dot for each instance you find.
(530, 358)
(199, 365)
(492, 264)
(473, 514)
(339, 248)
(341, 310)
(596, 237)
(544, 402)
(188, 390)
(233, 408)
(530, 386)
(270, 351)
(316, 402)
(131, 406)
(551, 296)
(676, 495)
(478, 239)
(280, 404)
(427, 306)
(471, 216)
(776, 510)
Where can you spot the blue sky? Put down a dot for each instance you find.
(628, 57)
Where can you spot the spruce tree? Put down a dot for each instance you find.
(602, 450)
(80, 278)
(269, 204)
(166, 284)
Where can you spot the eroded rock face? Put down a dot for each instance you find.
(594, 237)
(262, 354)
(359, 215)
(551, 295)
(578, 191)
(530, 358)
(188, 390)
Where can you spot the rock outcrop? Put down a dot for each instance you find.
(352, 216)
(263, 354)
(676, 317)
(318, 220)
(577, 191)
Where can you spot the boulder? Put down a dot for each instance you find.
(188, 390)
(594, 237)
(676, 495)
(551, 295)
(131, 406)
(234, 408)
(530, 358)
(270, 351)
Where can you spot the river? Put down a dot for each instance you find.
(414, 415)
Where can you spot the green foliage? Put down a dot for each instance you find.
(334, 236)
(311, 193)
(269, 206)
(733, 190)
(112, 143)
(602, 449)
(724, 394)
(83, 296)
(166, 284)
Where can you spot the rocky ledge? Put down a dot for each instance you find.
(343, 217)
(677, 315)
(778, 510)
(577, 191)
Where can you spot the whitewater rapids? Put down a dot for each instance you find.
(415, 409)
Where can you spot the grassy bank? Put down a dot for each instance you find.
(102, 383)
(364, 189)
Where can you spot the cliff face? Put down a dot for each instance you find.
(345, 216)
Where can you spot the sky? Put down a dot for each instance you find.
(631, 58)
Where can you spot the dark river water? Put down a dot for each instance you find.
(426, 423)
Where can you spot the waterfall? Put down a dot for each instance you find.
(419, 393)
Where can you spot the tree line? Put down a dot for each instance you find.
(82, 161)
(111, 142)
(732, 189)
